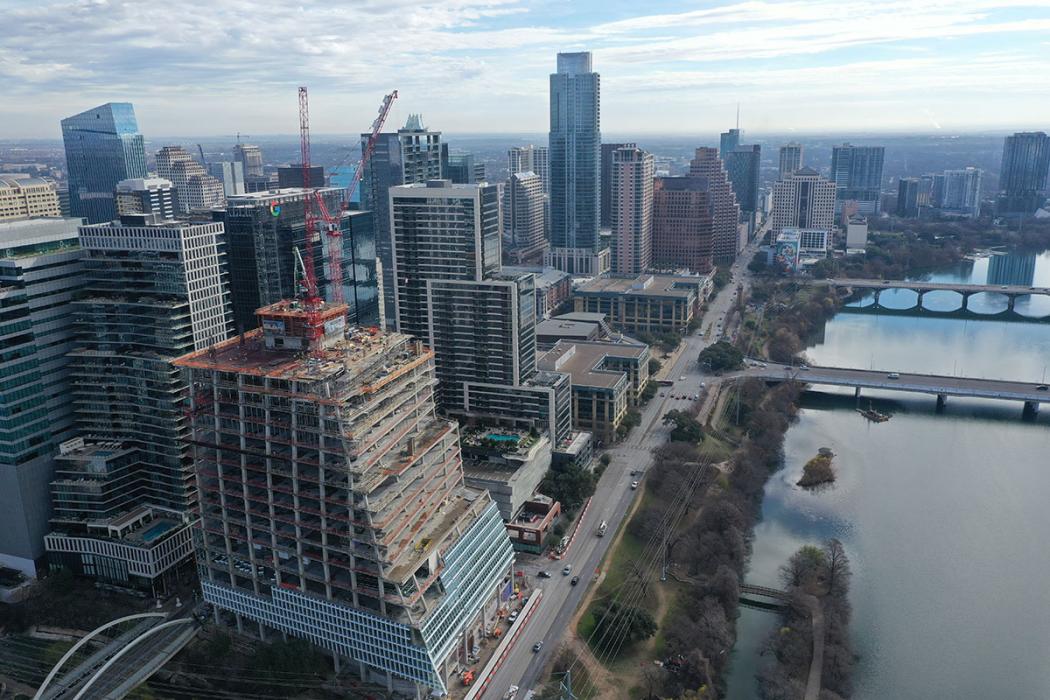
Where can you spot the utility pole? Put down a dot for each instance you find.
(566, 686)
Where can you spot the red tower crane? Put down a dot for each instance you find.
(333, 232)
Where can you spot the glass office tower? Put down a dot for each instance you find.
(103, 147)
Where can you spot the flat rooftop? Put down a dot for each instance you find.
(567, 329)
(583, 361)
(545, 276)
(254, 199)
(643, 285)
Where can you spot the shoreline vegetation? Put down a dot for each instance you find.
(817, 579)
(819, 470)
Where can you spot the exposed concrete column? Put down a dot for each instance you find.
(878, 292)
(856, 393)
(965, 301)
(1010, 299)
(942, 401)
(1031, 409)
(918, 301)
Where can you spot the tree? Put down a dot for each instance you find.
(654, 366)
(721, 356)
(569, 484)
(620, 625)
(803, 568)
(837, 568)
(686, 428)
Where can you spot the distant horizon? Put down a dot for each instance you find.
(747, 134)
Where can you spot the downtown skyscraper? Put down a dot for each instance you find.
(575, 166)
(857, 174)
(727, 240)
(1023, 175)
(790, 159)
(103, 146)
(125, 493)
(413, 154)
(631, 211)
(683, 224)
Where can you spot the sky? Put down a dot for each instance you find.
(218, 67)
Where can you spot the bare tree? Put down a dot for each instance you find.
(837, 567)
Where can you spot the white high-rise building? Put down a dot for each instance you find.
(524, 218)
(631, 211)
(195, 189)
(803, 200)
(531, 159)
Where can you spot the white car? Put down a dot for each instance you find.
(634, 485)
(682, 378)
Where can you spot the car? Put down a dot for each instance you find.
(682, 378)
(512, 617)
(537, 646)
(575, 580)
(696, 397)
(703, 385)
(1003, 286)
(885, 281)
(636, 472)
(893, 375)
(804, 368)
(567, 570)
(662, 394)
(634, 485)
(1041, 387)
(544, 574)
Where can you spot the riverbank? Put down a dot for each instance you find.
(963, 488)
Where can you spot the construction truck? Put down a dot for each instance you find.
(467, 676)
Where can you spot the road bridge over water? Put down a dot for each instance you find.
(1031, 394)
(1012, 292)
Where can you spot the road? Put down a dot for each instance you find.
(610, 503)
(903, 381)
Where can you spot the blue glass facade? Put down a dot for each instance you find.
(103, 147)
(575, 153)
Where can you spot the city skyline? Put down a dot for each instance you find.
(938, 66)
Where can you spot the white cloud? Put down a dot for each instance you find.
(483, 64)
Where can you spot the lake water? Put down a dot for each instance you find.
(945, 516)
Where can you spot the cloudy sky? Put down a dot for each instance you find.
(215, 67)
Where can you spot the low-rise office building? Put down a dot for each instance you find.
(647, 303)
(607, 378)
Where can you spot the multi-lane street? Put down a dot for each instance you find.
(610, 503)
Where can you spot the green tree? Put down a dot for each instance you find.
(620, 626)
(686, 428)
(569, 484)
(721, 356)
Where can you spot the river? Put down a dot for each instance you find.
(945, 515)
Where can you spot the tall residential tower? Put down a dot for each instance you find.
(575, 165)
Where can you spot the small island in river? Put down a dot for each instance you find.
(818, 470)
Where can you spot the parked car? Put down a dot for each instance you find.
(512, 617)
(634, 485)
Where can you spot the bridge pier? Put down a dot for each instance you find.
(918, 302)
(1031, 409)
(942, 401)
(856, 395)
(875, 301)
(1010, 299)
(966, 300)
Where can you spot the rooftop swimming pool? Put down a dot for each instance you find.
(156, 530)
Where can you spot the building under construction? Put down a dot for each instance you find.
(333, 506)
